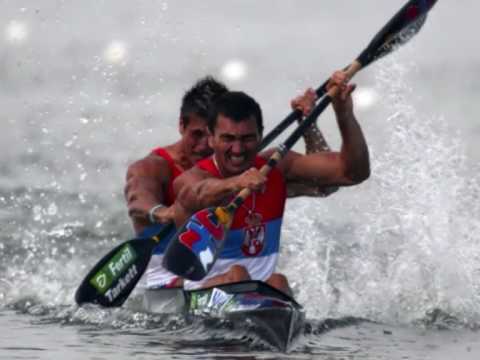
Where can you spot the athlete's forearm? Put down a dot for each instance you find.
(314, 143)
(208, 192)
(143, 190)
(354, 149)
(314, 140)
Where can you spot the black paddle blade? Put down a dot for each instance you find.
(406, 23)
(196, 245)
(113, 278)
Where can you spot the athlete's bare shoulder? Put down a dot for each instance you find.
(151, 165)
(190, 177)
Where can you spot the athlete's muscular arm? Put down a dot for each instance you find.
(145, 183)
(349, 166)
(314, 143)
(197, 189)
(313, 137)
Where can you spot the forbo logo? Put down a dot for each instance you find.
(114, 269)
(101, 280)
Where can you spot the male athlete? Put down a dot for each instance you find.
(149, 189)
(252, 243)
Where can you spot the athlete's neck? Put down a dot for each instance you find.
(179, 155)
(215, 162)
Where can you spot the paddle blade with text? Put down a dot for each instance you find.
(114, 277)
(197, 244)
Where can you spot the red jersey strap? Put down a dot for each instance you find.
(176, 171)
(209, 165)
(268, 203)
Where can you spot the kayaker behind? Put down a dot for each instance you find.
(252, 243)
(149, 190)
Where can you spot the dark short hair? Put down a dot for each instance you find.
(237, 106)
(200, 97)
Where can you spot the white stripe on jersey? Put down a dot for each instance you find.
(259, 268)
(156, 275)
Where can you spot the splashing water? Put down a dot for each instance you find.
(408, 246)
(395, 249)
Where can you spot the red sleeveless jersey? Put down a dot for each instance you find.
(176, 171)
(268, 204)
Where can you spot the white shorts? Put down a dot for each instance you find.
(259, 268)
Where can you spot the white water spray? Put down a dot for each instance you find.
(404, 243)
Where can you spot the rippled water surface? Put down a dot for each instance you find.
(385, 270)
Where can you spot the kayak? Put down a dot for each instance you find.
(270, 314)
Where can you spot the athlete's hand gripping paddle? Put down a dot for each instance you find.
(416, 9)
(198, 243)
(112, 279)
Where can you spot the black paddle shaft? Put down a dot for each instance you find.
(113, 278)
(285, 123)
(401, 27)
(406, 23)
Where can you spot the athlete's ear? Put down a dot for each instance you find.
(210, 139)
(181, 126)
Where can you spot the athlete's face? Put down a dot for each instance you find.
(234, 144)
(195, 138)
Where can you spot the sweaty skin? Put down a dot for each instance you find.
(147, 178)
(234, 145)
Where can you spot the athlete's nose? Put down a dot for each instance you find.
(237, 147)
(202, 144)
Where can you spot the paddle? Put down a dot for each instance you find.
(113, 278)
(394, 26)
(285, 123)
(197, 244)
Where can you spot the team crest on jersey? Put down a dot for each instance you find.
(254, 235)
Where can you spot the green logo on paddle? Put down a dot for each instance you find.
(113, 269)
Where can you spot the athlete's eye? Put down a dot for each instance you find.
(227, 138)
(198, 134)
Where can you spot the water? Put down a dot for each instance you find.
(385, 270)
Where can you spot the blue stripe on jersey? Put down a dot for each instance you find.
(155, 229)
(233, 244)
(235, 240)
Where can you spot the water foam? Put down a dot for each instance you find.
(405, 243)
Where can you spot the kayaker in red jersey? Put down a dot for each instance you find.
(252, 243)
(149, 190)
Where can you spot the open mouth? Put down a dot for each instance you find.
(238, 160)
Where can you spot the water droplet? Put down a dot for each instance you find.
(115, 52)
(16, 32)
(234, 70)
(52, 209)
(37, 213)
